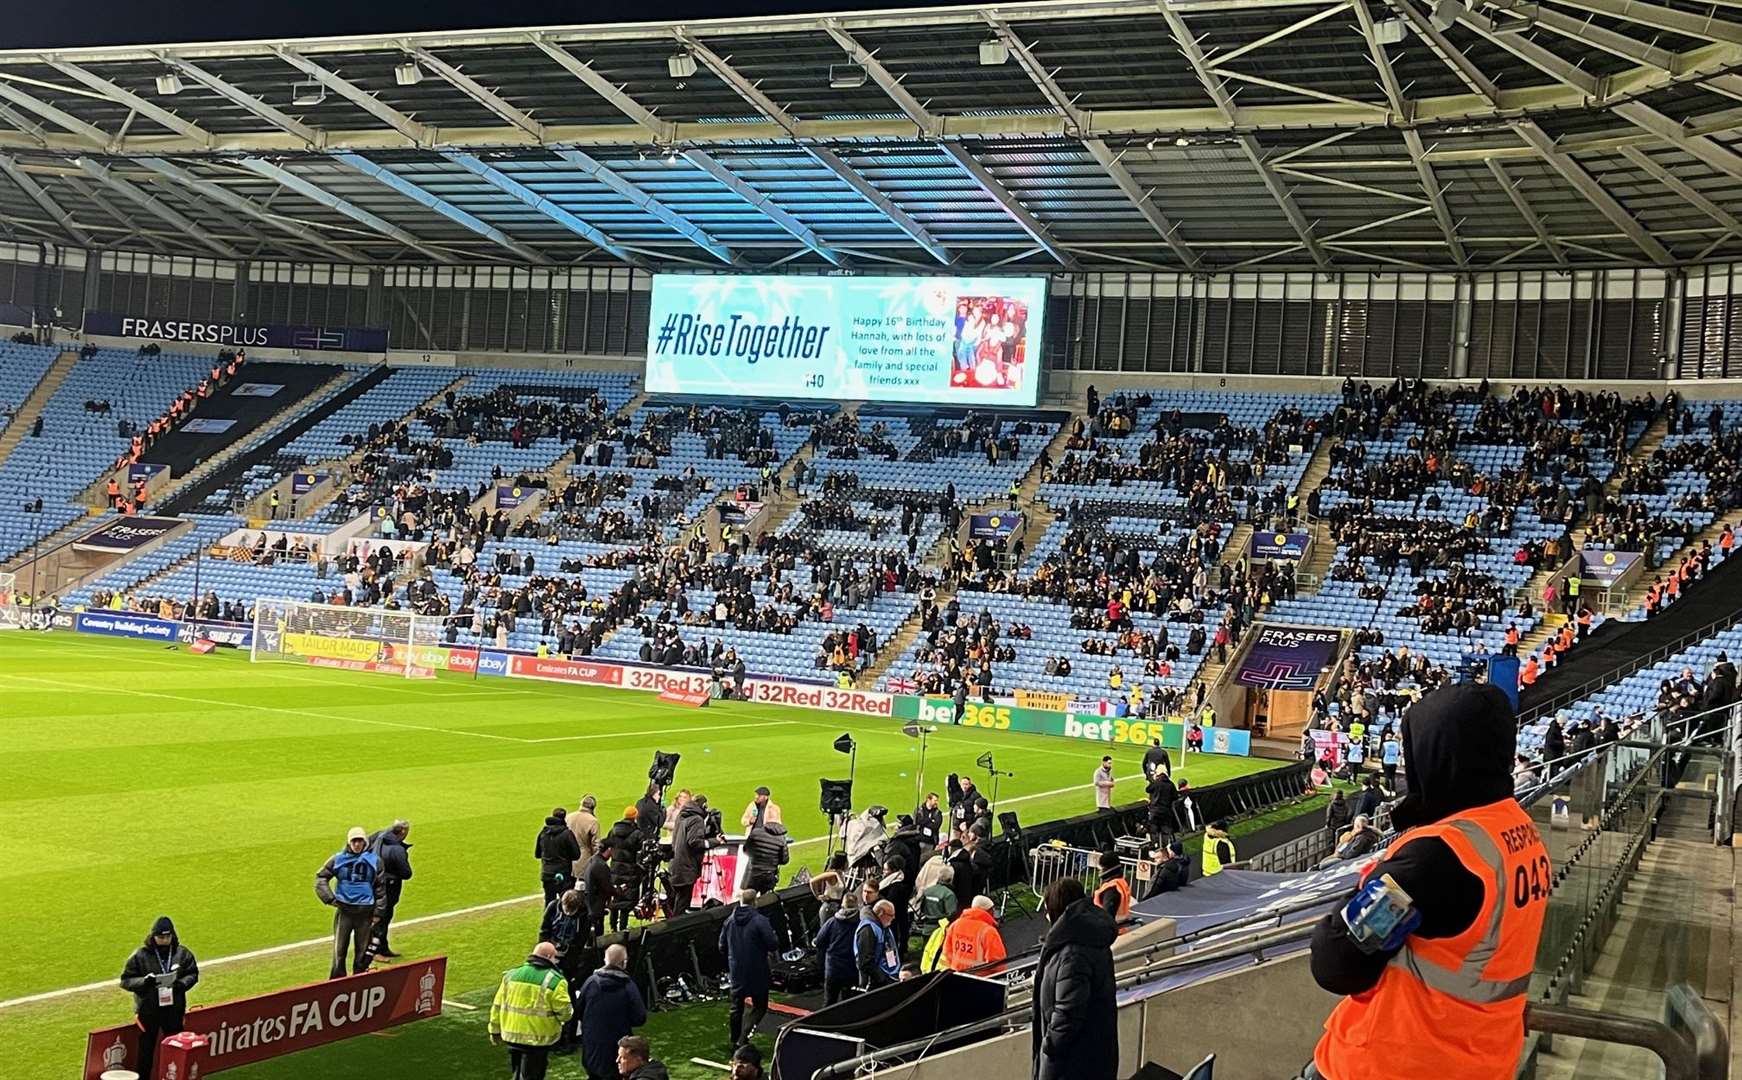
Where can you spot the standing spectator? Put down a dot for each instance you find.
(834, 943)
(624, 842)
(611, 1009)
(874, 952)
(746, 939)
(1104, 785)
(584, 823)
(635, 1060)
(393, 855)
(767, 846)
(928, 818)
(1155, 760)
(1337, 815)
(355, 868)
(159, 974)
(1076, 1023)
(1390, 754)
(1162, 796)
(564, 925)
(556, 850)
(595, 884)
(529, 1011)
(689, 840)
(760, 808)
(973, 941)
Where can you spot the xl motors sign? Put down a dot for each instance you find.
(254, 1029)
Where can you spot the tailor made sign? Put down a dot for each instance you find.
(1118, 730)
(255, 1029)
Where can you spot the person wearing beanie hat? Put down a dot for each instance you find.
(159, 974)
(353, 870)
(624, 843)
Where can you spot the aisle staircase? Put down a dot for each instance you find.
(897, 645)
(31, 407)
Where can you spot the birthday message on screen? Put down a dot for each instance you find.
(963, 341)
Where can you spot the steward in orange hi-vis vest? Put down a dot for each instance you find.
(1445, 1000)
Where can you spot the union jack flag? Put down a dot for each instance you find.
(900, 685)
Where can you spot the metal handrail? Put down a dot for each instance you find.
(1638, 663)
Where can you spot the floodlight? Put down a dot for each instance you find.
(846, 76)
(681, 65)
(307, 93)
(169, 83)
(407, 74)
(993, 52)
(1389, 31)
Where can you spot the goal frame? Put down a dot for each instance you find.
(350, 630)
(11, 611)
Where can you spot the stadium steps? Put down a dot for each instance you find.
(32, 406)
(1540, 634)
(559, 472)
(1635, 600)
(783, 503)
(1239, 541)
(896, 647)
(1037, 515)
(202, 482)
(52, 541)
(1324, 548)
(170, 496)
(1649, 440)
(1672, 925)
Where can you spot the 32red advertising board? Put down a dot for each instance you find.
(254, 1029)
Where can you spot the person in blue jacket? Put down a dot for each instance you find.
(347, 884)
(834, 942)
(746, 939)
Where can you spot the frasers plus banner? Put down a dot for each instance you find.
(126, 534)
(1287, 657)
(1275, 545)
(1604, 568)
(239, 335)
(255, 1029)
(939, 340)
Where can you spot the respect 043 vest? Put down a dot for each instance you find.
(1453, 1008)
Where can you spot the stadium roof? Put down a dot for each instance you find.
(1199, 135)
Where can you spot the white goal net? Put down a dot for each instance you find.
(352, 638)
(11, 611)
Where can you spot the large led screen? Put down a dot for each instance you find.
(938, 340)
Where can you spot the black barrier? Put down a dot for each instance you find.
(690, 944)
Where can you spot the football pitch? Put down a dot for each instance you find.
(138, 780)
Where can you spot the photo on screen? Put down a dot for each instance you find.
(989, 349)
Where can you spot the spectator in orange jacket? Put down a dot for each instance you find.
(973, 939)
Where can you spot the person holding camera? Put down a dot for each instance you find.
(159, 974)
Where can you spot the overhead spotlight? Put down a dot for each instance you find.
(1445, 13)
(681, 65)
(1150, 145)
(993, 52)
(846, 76)
(671, 156)
(1517, 25)
(1182, 141)
(1389, 31)
(307, 93)
(169, 83)
(407, 74)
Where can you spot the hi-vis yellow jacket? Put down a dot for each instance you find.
(531, 1005)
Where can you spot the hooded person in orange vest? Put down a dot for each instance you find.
(1113, 894)
(1527, 674)
(973, 939)
(1434, 954)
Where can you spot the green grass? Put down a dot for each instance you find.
(138, 781)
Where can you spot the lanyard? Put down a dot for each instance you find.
(163, 961)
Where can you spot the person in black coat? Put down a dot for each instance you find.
(597, 885)
(1076, 1022)
(610, 1008)
(689, 841)
(556, 850)
(1162, 796)
(159, 974)
(624, 842)
(928, 820)
(1554, 747)
(767, 846)
(1172, 870)
(393, 855)
(650, 812)
(746, 939)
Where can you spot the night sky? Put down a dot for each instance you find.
(132, 22)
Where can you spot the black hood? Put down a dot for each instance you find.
(1083, 923)
(1459, 743)
(163, 925)
(554, 825)
(773, 828)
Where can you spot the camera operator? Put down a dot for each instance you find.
(865, 834)
(624, 841)
(962, 795)
(650, 812)
(694, 832)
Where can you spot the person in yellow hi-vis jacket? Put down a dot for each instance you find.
(529, 1012)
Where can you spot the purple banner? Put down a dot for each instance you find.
(1604, 568)
(1288, 657)
(1275, 545)
(142, 471)
(127, 534)
(304, 482)
(509, 496)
